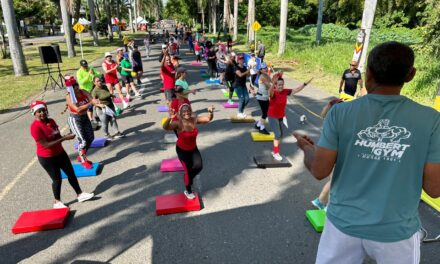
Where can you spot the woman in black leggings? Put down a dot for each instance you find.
(51, 154)
(186, 146)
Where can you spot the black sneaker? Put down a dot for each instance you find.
(256, 126)
(263, 131)
(119, 135)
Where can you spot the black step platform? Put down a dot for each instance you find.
(269, 162)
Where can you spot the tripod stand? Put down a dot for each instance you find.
(54, 82)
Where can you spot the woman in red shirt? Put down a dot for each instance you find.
(277, 110)
(110, 68)
(51, 154)
(186, 146)
(78, 101)
(168, 73)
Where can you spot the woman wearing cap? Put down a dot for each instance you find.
(51, 154)
(277, 110)
(262, 96)
(168, 73)
(126, 71)
(78, 101)
(105, 109)
(186, 146)
(109, 66)
(240, 88)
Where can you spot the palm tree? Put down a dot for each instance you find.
(93, 20)
(109, 20)
(225, 15)
(235, 19)
(283, 27)
(65, 6)
(17, 56)
(202, 5)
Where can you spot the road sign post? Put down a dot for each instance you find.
(78, 27)
(255, 26)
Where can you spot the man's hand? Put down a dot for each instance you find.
(303, 141)
(69, 137)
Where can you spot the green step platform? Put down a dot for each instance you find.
(317, 219)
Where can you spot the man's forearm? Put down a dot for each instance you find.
(309, 156)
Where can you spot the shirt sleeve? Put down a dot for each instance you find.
(329, 135)
(434, 144)
(36, 133)
(343, 75)
(82, 77)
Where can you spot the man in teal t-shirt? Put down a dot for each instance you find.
(384, 148)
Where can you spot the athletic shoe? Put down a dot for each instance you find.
(108, 137)
(240, 115)
(119, 135)
(317, 203)
(137, 95)
(128, 97)
(85, 196)
(263, 131)
(256, 126)
(125, 106)
(277, 156)
(59, 205)
(244, 115)
(230, 102)
(188, 195)
(87, 165)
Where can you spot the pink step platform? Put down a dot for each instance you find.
(169, 165)
(227, 105)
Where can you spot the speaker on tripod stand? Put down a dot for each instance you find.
(52, 55)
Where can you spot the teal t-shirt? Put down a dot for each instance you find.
(382, 144)
(184, 85)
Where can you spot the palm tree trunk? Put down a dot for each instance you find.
(109, 20)
(93, 20)
(251, 19)
(225, 15)
(283, 27)
(17, 56)
(67, 24)
(235, 19)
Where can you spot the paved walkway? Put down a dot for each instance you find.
(249, 216)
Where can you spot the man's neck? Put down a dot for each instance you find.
(385, 90)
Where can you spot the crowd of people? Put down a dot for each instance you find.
(371, 212)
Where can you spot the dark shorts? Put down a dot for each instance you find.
(169, 94)
(138, 69)
(127, 79)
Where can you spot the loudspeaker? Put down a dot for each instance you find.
(50, 54)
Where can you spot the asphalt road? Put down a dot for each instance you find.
(249, 215)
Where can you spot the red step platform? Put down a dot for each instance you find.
(41, 220)
(176, 203)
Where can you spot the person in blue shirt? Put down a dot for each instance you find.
(383, 148)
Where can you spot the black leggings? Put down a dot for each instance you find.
(264, 105)
(192, 164)
(53, 167)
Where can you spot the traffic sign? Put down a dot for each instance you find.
(256, 26)
(78, 27)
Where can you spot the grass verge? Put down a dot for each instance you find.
(15, 90)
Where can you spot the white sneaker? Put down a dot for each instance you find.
(59, 205)
(188, 195)
(240, 115)
(85, 196)
(277, 156)
(230, 102)
(125, 105)
(128, 97)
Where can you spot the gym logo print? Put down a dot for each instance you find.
(383, 141)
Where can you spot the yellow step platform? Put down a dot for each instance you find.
(256, 136)
(433, 202)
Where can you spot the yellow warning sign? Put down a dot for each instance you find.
(256, 26)
(78, 27)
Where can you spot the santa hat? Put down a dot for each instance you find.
(36, 105)
(70, 81)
